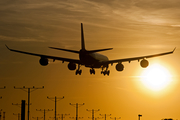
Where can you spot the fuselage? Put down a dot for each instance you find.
(92, 60)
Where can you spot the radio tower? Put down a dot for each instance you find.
(77, 106)
(29, 90)
(55, 99)
(44, 111)
(93, 111)
(105, 115)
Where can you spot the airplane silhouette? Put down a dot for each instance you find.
(91, 59)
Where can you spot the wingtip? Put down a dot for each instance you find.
(174, 49)
(7, 46)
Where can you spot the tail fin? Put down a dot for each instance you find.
(82, 38)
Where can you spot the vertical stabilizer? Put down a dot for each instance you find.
(82, 38)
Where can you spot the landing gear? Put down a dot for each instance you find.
(105, 72)
(92, 71)
(78, 71)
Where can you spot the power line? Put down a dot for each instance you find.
(55, 99)
(44, 111)
(93, 111)
(77, 106)
(29, 90)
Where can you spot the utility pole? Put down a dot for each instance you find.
(139, 116)
(62, 115)
(19, 115)
(37, 118)
(115, 118)
(29, 90)
(93, 111)
(55, 99)
(77, 106)
(44, 111)
(105, 115)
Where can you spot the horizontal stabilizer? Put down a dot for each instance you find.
(74, 51)
(99, 50)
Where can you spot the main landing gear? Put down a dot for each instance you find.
(105, 72)
(78, 71)
(92, 71)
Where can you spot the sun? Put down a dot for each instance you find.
(156, 77)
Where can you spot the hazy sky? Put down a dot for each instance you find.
(132, 27)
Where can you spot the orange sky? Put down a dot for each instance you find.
(132, 27)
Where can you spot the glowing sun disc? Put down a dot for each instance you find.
(156, 77)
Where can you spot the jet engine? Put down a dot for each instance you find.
(43, 61)
(144, 63)
(119, 67)
(71, 66)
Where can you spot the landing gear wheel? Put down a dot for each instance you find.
(106, 72)
(78, 72)
(92, 71)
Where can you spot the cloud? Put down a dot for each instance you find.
(55, 20)
(175, 26)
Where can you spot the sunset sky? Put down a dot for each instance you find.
(131, 27)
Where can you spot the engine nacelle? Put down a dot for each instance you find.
(144, 63)
(44, 61)
(119, 67)
(71, 66)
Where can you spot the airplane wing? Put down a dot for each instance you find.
(138, 58)
(47, 56)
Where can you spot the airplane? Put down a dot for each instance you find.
(91, 59)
